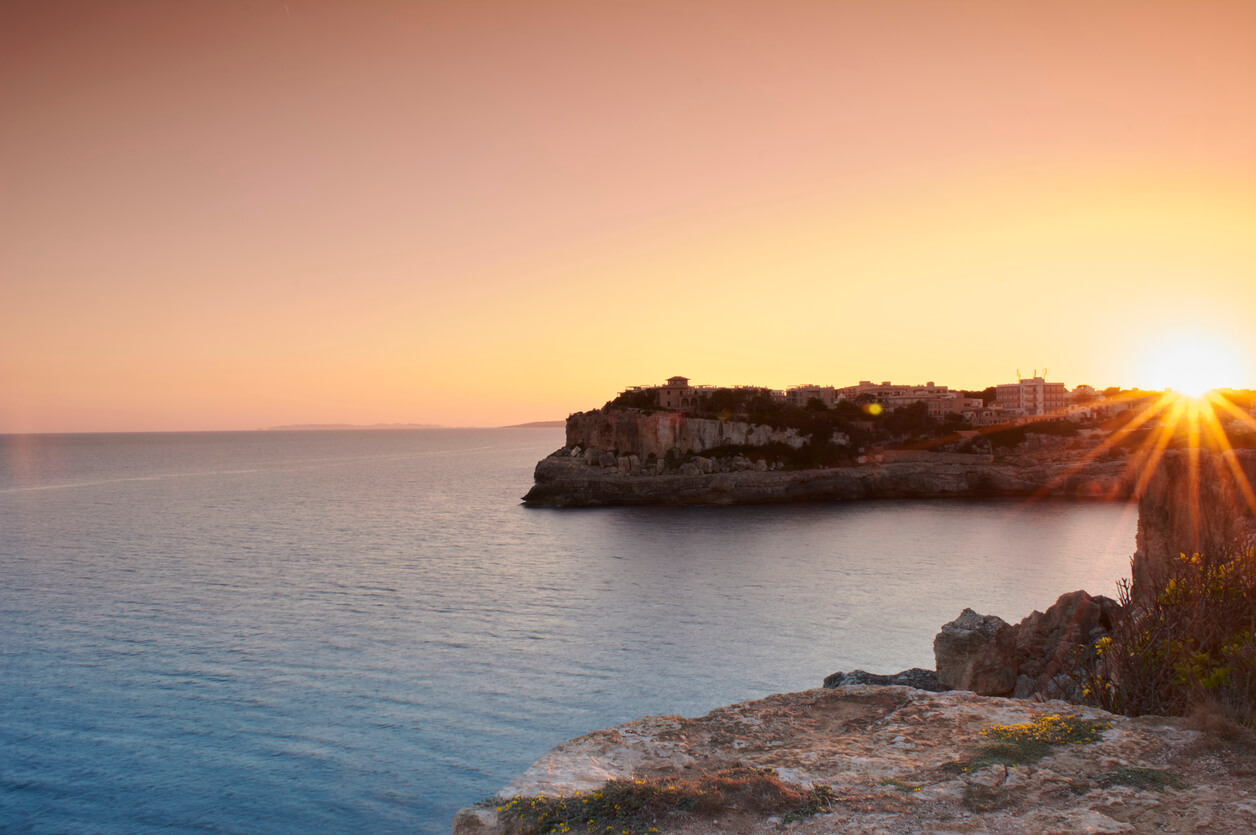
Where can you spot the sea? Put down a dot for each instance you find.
(362, 631)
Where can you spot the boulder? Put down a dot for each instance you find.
(1041, 656)
(978, 653)
(915, 677)
(1051, 644)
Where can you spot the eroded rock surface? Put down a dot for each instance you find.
(882, 749)
(655, 433)
(1181, 514)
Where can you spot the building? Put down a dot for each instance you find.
(677, 394)
(1031, 396)
(892, 396)
(987, 417)
(953, 403)
(802, 395)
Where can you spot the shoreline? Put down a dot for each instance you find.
(564, 480)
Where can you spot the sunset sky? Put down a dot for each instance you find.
(229, 215)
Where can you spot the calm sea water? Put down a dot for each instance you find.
(362, 631)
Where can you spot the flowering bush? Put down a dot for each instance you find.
(1192, 642)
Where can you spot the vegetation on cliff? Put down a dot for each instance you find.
(640, 806)
(1191, 645)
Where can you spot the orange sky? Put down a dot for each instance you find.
(227, 215)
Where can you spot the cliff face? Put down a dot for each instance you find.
(617, 456)
(1175, 517)
(632, 432)
(566, 481)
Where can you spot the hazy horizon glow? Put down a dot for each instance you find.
(228, 215)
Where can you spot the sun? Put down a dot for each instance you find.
(1191, 365)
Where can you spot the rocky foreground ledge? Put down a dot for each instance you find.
(902, 760)
(568, 478)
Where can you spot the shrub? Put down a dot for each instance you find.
(645, 399)
(1027, 742)
(640, 806)
(1190, 642)
(1050, 729)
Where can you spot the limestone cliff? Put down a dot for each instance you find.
(564, 480)
(634, 432)
(1176, 517)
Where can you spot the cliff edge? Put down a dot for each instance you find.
(896, 759)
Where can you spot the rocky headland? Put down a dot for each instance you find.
(629, 457)
(911, 752)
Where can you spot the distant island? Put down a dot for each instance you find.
(324, 426)
(303, 427)
(537, 424)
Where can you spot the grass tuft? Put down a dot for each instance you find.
(901, 785)
(1141, 778)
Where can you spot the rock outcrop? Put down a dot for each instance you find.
(978, 653)
(633, 456)
(885, 751)
(1043, 655)
(915, 677)
(565, 479)
(1183, 512)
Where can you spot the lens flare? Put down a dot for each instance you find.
(1191, 365)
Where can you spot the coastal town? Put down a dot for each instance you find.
(1032, 396)
(680, 443)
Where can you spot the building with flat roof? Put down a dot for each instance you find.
(1031, 396)
(802, 395)
(676, 394)
(892, 396)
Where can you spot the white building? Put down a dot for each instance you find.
(1031, 396)
(892, 396)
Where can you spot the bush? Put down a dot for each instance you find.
(1192, 642)
(1027, 742)
(634, 400)
(641, 806)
